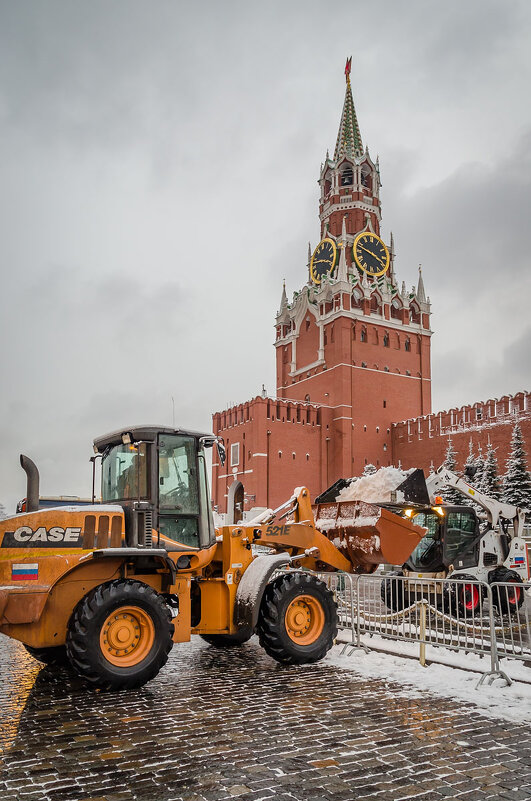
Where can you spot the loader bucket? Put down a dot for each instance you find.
(367, 535)
(413, 489)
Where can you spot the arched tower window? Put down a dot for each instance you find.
(327, 183)
(386, 340)
(363, 335)
(396, 308)
(407, 344)
(366, 179)
(356, 298)
(415, 313)
(347, 177)
(376, 304)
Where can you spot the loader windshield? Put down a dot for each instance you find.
(124, 473)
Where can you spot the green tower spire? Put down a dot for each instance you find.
(349, 137)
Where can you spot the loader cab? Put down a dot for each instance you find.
(159, 476)
(452, 538)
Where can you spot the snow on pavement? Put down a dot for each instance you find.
(496, 701)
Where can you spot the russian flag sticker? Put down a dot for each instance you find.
(24, 572)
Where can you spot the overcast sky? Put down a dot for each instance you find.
(158, 171)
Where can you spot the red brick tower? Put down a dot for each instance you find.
(352, 350)
(353, 341)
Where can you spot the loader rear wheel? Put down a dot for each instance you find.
(507, 599)
(297, 622)
(393, 591)
(227, 640)
(464, 596)
(120, 635)
(55, 655)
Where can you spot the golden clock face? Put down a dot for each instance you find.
(370, 254)
(323, 260)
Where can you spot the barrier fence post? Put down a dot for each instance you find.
(422, 648)
(495, 672)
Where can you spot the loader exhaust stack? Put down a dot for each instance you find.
(32, 491)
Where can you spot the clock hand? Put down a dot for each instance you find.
(372, 254)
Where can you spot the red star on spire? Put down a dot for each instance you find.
(347, 67)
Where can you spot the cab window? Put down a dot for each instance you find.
(178, 488)
(179, 517)
(124, 473)
(460, 532)
(426, 550)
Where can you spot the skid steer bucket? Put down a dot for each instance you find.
(367, 534)
(413, 489)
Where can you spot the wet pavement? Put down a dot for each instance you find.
(233, 724)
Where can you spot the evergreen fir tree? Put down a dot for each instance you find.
(3, 513)
(369, 470)
(490, 484)
(480, 466)
(517, 480)
(450, 494)
(470, 479)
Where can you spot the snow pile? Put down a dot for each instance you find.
(369, 545)
(376, 488)
(329, 523)
(359, 522)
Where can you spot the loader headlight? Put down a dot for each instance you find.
(438, 510)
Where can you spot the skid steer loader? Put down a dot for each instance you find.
(110, 587)
(459, 544)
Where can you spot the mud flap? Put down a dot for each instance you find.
(251, 589)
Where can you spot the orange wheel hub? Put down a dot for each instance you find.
(304, 619)
(127, 636)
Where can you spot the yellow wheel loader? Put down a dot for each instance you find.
(110, 587)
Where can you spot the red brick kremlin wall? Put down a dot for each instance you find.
(422, 441)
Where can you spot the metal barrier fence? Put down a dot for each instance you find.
(491, 620)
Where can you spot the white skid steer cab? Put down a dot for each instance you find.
(460, 544)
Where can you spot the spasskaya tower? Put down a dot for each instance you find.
(352, 351)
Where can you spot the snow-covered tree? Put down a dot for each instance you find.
(450, 494)
(3, 513)
(471, 458)
(480, 466)
(470, 466)
(490, 483)
(369, 470)
(517, 480)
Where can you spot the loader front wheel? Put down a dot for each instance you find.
(120, 635)
(55, 655)
(297, 622)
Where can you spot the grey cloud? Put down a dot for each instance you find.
(159, 169)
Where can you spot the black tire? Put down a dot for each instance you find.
(505, 598)
(54, 655)
(227, 640)
(464, 596)
(90, 625)
(393, 593)
(318, 612)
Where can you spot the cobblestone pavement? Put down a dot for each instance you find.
(233, 724)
